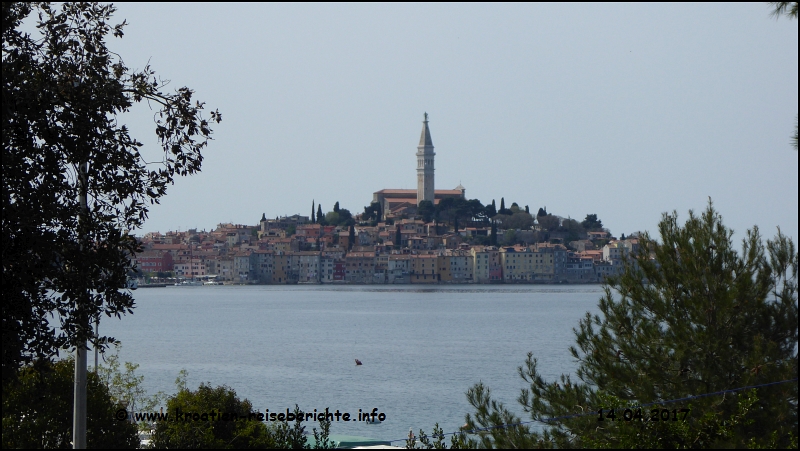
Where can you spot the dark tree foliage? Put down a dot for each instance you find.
(336, 207)
(519, 220)
(313, 216)
(208, 433)
(503, 210)
(549, 222)
(345, 218)
(542, 212)
(351, 237)
(592, 223)
(342, 218)
(493, 234)
(320, 217)
(527, 209)
(462, 209)
(788, 9)
(64, 99)
(37, 410)
(476, 211)
(457, 441)
(574, 229)
(688, 316)
(218, 432)
(490, 210)
(368, 214)
(372, 212)
(398, 237)
(426, 210)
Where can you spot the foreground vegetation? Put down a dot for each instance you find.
(37, 413)
(689, 316)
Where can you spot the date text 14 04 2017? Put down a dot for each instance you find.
(637, 415)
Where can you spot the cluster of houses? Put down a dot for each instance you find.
(291, 250)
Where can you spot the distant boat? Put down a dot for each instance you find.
(358, 362)
(188, 283)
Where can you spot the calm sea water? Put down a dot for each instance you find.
(421, 347)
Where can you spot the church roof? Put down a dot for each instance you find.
(413, 193)
(425, 137)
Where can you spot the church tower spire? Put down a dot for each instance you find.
(425, 190)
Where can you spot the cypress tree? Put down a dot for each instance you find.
(493, 235)
(502, 206)
(320, 217)
(336, 207)
(351, 238)
(398, 237)
(313, 218)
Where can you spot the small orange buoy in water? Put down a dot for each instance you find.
(358, 362)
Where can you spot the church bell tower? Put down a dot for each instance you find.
(425, 164)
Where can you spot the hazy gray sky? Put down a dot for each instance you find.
(626, 111)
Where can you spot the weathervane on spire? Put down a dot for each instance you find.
(426, 117)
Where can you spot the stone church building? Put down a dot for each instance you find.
(397, 202)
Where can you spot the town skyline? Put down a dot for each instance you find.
(628, 111)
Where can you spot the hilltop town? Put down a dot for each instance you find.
(404, 236)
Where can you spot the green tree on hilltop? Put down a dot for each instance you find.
(426, 210)
(351, 237)
(503, 210)
(320, 217)
(688, 316)
(549, 222)
(372, 213)
(592, 223)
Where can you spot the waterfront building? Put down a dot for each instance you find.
(154, 261)
(486, 264)
(263, 262)
(517, 262)
(360, 267)
(424, 268)
(456, 266)
(306, 265)
(398, 268)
